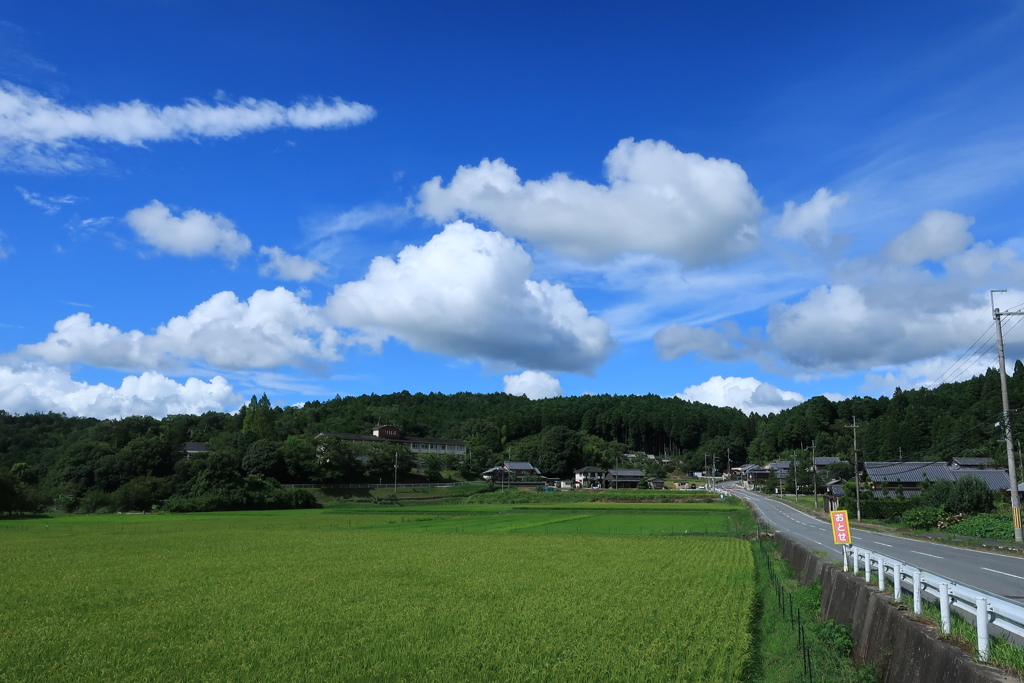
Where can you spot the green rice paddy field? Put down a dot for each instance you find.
(503, 593)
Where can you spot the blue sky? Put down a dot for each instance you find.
(745, 204)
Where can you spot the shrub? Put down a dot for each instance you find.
(922, 518)
(970, 495)
(95, 500)
(950, 521)
(138, 494)
(997, 527)
(66, 503)
(837, 637)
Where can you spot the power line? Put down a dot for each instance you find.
(958, 368)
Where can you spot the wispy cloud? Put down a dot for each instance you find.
(49, 205)
(39, 133)
(285, 266)
(356, 219)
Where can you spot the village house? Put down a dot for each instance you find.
(895, 479)
(513, 471)
(623, 479)
(419, 446)
(589, 477)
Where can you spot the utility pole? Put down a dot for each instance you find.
(814, 473)
(856, 465)
(796, 491)
(396, 475)
(1011, 463)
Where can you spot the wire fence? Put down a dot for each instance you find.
(784, 599)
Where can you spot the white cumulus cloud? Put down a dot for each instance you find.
(39, 133)
(467, 293)
(810, 221)
(193, 234)
(657, 200)
(39, 388)
(285, 266)
(939, 234)
(533, 385)
(923, 296)
(748, 394)
(272, 329)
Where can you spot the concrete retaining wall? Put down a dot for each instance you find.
(901, 649)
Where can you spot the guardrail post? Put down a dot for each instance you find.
(981, 619)
(917, 592)
(897, 581)
(867, 566)
(856, 558)
(944, 606)
(881, 574)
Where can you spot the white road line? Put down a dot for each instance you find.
(1003, 573)
(928, 554)
(880, 543)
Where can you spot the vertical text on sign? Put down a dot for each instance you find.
(841, 527)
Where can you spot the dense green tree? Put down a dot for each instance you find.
(259, 418)
(336, 461)
(300, 459)
(265, 457)
(387, 461)
(559, 451)
(839, 470)
(140, 493)
(11, 499)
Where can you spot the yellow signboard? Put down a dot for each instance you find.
(841, 527)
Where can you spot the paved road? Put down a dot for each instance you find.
(991, 572)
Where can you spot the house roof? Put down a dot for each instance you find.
(589, 470)
(997, 480)
(520, 465)
(907, 472)
(825, 462)
(916, 472)
(195, 446)
(971, 462)
(893, 493)
(625, 473)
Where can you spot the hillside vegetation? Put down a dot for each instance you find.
(90, 464)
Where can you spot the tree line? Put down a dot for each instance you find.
(92, 464)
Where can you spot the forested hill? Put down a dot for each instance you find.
(72, 456)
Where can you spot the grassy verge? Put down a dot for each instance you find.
(790, 642)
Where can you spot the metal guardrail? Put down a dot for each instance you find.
(986, 607)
